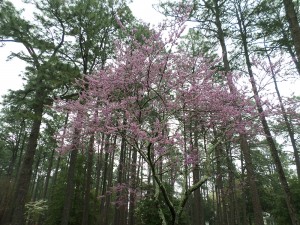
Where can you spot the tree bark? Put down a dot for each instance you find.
(222, 220)
(244, 146)
(231, 187)
(25, 173)
(104, 184)
(288, 124)
(268, 135)
(107, 208)
(21, 135)
(293, 25)
(70, 179)
(88, 181)
(198, 209)
(48, 175)
(120, 206)
(132, 195)
(35, 172)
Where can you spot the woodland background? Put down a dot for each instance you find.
(122, 123)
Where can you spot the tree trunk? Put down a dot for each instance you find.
(70, 179)
(88, 181)
(48, 175)
(288, 125)
(99, 164)
(243, 139)
(25, 173)
(120, 206)
(219, 188)
(35, 172)
(243, 195)
(19, 140)
(231, 187)
(293, 24)
(107, 208)
(132, 195)
(268, 135)
(198, 209)
(290, 48)
(257, 210)
(104, 185)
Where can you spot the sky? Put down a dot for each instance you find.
(10, 70)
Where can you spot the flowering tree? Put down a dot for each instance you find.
(151, 95)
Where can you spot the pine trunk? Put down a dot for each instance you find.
(288, 124)
(119, 218)
(70, 179)
(293, 24)
(132, 195)
(48, 175)
(24, 177)
(88, 181)
(268, 135)
(243, 139)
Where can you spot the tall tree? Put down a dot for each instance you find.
(149, 86)
(210, 16)
(292, 19)
(42, 48)
(274, 30)
(243, 32)
(94, 28)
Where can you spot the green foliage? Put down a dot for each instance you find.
(5, 156)
(35, 209)
(197, 44)
(56, 199)
(279, 210)
(6, 195)
(70, 38)
(57, 196)
(146, 213)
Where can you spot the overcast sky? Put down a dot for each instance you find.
(10, 70)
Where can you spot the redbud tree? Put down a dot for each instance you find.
(151, 94)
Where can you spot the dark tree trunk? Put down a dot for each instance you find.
(244, 187)
(107, 208)
(231, 187)
(19, 140)
(48, 175)
(293, 24)
(20, 157)
(56, 170)
(70, 179)
(25, 173)
(243, 139)
(268, 135)
(288, 124)
(132, 195)
(35, 171)
(99, 164)
(221, 216)
(88, 181)
(257, 210)
(104, 184)
(120, 206)
(290, 48)
(198, 208)
(99, 167)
